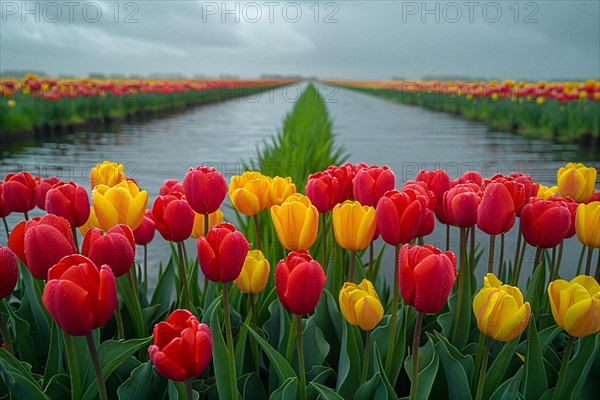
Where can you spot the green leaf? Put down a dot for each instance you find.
(509, 389)
(535, 382)
(287, 391)
(144, 383)
(251, 387)
(381, 336)
(59, 387)
(18, 378)
(460, 310)
(278, 362)
(325, 393)
(546, 336)
(388, 386)
(315, 346)
(220, 358)
(458, 368)
(428, 365)
(28, 347)
(495, 374)
(349, 367)
(111, 354)
(54, 361)
(536, 289)
(580, 365)
(374, 388)
(176, 391)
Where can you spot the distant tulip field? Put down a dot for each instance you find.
(562, 111)
(46, 104)
(289, 301)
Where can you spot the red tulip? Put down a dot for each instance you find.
(116, 248)
(545, 223)
(170, 186)
(426, 276)
(461, 204)
(42, 185)
(42, 242)
(78, 296)
(173, 217)
(516, 187)
(371, 183)
(299, 281)
(4, 211)
(205, 189)
(324, 191)
(572, 205)
(399, 216)
(9, 272)
(470, 177)
(437, 180)
(182, 346)
(19, 192)
(595, 197)
(221, 253)
(529, 188)
(145, 232)
(344, 175)
(496, 212)
(427, 221)
(69, 201)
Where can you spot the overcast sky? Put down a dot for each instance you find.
(336, 39)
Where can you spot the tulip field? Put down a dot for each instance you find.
(289, 300)
(39, 104)
(562, 111)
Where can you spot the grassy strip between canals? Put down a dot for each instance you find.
(34, 114)
(573, 121)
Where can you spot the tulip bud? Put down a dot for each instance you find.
(426, 276)
(576, 305)
(249, 192)
(499, 310)
(427, 220)
(205, 189)
(323, 190)
(4, 211)
(145, 232)
(299, 281)
(173, 217)
(78, 296)
(18, 192)
(399, 216)
(576, 181)
(587, 224)
(42, 185)
(9, 272)
(221, 253)
(279, 190)
(545, 223)
(360, 305)
(296, 222)
(170, 186)
(69, 201)
(116, 248)
(122, 203)
(108, 174)
(496, 212)
(255, 273)
(545, 192)
(461, 204)
(371, 183)
(182, 346)
(354, 225)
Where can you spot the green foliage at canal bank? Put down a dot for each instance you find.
(570, 122)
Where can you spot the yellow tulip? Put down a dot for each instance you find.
(213, 219)
(255, 273)
(92, 222)
(576, 181)
(587, 224)
(499, 310)
(360, 305)
(353, 225)
(576, 305)
(296, 222)
(279, 190)
(123, 203)
(544, 192)
(108, 173)
(249, 192)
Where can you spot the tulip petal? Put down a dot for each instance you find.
(582, 319)
(69, 306)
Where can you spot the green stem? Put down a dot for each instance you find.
(415, 357)
(253, 341)
(26, 216)
(482, 370)
(230, 353)
(184, 282)
(301, 357)
(289, 351)
(521, 257)
(462, 275)
(563, 369)
(137, 308)
(371, 251)
(6, 227)
(538, 257)
(472, 248)
(96, 363)
(517, 250)
(477, 364)
(257, 230)
(552, 264)
(324, 241)
(560, 255)
(352, 259)
(188, 389)
(6, 336)
(204, 290)
(366, 360)
(491, 257)
(390, 349)
(73, 367)
(146, 268)
(581, 254)
(588, 263)
(501, 260)
(447, 237)
(75, 239)
(206, 224)
(119, 318)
